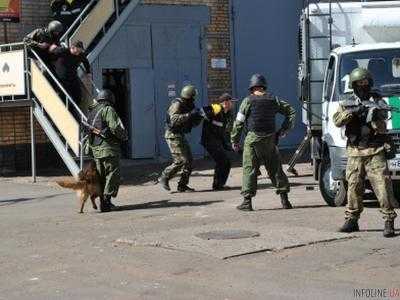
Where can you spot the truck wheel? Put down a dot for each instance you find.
(334, 193)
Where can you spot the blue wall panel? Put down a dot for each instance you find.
(160, 45)
(266, 41)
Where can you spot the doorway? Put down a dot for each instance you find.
(117, 80)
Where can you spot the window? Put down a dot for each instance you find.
(329, 79)
(384, 66)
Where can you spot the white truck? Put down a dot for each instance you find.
(336, 37)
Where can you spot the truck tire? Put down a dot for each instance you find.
(333, 197)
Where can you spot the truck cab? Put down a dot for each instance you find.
(383, 62)
(335, 37)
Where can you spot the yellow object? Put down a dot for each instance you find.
(70, 1)
(4, 5)
(217, 108)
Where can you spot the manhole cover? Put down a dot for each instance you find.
(231, 234)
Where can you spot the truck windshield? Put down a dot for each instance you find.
(384, 66)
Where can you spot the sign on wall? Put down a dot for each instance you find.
(10, 10)
(12, 77)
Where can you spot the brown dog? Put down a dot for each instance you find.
(87, 186)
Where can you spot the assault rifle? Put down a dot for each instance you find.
(93, 129)
(374, 107)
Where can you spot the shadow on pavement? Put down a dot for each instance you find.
(22, 200)
(164, 204)
(294, 207)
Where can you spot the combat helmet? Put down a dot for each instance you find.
(106, 96)
(189, 92)
(55, 28)
(258, 80)
(360, 74)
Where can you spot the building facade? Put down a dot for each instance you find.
(206, 42)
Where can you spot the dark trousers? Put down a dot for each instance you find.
(73, 88)
(222, 164)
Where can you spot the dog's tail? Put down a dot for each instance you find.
(74, 185)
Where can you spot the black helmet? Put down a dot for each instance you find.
(258, 80)
(55, 28)
(105, 96)
(360, 74)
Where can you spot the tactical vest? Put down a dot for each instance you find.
(95, 119)
(263, 110)
(184, 108)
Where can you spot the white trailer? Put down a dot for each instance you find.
(335, 38)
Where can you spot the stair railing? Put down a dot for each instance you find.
(73, 112)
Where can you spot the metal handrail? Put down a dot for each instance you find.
(59, 85)
(79, 19)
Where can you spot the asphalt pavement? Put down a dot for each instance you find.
(161, 245)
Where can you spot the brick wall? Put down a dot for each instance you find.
(34, 13)
(218, 38)
(15, 122)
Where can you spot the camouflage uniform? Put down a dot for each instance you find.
(106, 150)
(260, 149)
(365, 162)
(181, 118)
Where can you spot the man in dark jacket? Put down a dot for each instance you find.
(67, 62)
(214, 138)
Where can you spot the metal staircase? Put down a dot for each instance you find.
(55, 110)
(57, 113)
(97, 24)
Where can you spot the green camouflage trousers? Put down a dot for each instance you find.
(109, 170)
(182, 160)
(375, 167)
(260, 151)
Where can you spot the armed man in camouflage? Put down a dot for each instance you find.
(182, 117)
(258, 112)
(367, 149)
(106, 135)
(42, 39)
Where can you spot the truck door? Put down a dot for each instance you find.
(327, 93)
(332, 135)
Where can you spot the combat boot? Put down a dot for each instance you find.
(164, 183)
(389, 229)
(350, 225)
(185, 189)
(285, 201)
(104, 205)
(110, 204)
(246, 205)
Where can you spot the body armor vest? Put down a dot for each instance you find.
(263, 110)
(95, 119)
(184, 108)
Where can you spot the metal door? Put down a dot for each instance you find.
(143, 141)
(178, 60)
